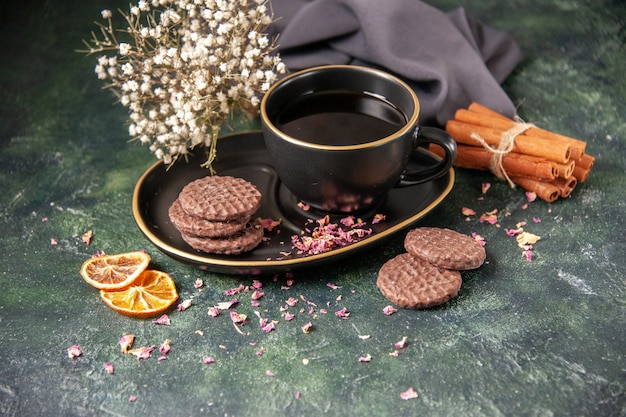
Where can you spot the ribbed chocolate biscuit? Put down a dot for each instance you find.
(244, 241)
(411, 282)
(220, 198)
(445, 248)
(196, 226)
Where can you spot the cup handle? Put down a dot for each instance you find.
(425, 135)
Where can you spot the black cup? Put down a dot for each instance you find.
(340, 136)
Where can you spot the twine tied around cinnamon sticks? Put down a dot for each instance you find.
(507, 142)
(538, 160)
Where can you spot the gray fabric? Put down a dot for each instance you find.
(449, 59)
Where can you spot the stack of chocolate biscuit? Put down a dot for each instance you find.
(429, 273)
(213, 214)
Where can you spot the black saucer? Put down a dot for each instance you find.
(244, 155)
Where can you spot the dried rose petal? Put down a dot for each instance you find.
(333, 286)
(348, 221)
(531, 196)
(466, 211)
(198, 283)
(343, 313)
(366, 358)
(126, 342)
(269, 373)
(86, 237)
(53, 241)
(238, 318)
(394, 353)
(304, 206)
(74, 351)
(257, 294)
(260, 351)
(379, 218)
(208, 359)
(291, 301)
(108, 368)
(389, 310)
(225, 305)
(401, 344)
(213, 311)
(184, 305)
(525, 238)
(307, 328)
(478, 238)
(143, 352)
(165, 347)
(164, 320)
(485, 187)
(536, 220)
(528, 254)
(489, 217)
(297, 394)
(289, 316)
(408, 394)
(270, 224)
(235, 290)
(132, 398)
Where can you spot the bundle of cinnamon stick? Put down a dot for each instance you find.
(546, 163)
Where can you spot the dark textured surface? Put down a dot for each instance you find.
(540, 338)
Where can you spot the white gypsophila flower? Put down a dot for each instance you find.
(183, 67)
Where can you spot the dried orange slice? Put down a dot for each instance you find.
(113, 272)
(151, 293)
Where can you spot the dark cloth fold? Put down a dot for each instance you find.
(449, 59)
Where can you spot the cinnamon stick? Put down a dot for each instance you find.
(515, 164)
(483, 116)
(565, 185)
(546, 191)
(524, 144)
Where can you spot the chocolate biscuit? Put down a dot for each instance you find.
(244, 241)
(197, 226)
(411, 282)
(220, 198)
(444, 248)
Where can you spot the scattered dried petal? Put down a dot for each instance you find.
(536, 220)
(525, 238)
(297, 394)
(389, 310)
(401, 344)
(213, 311)
(270, 224)
(379, 218)
(132, 399)
(289, 316)
(394, 353)
(184, 305)
(333, 286)
(238, 318)
(256, 284)
(234, 291)
(304, 206)
(343, 313)
(528, 254)
(208, 359)
(225, 305)
(143, 352)
(408, 394)
(269, 373)
(74, 351)
(485, 187)
(126, 342)
(198, 283)
(86, 237)
(291, 301)
(466, 211)
(257, 294)
(489, 217)
(531, 196)
(307, 328)
(478, 238)
(164, 320)
(366, 358)
(108, 368)
(165, 347)
(364, 336)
